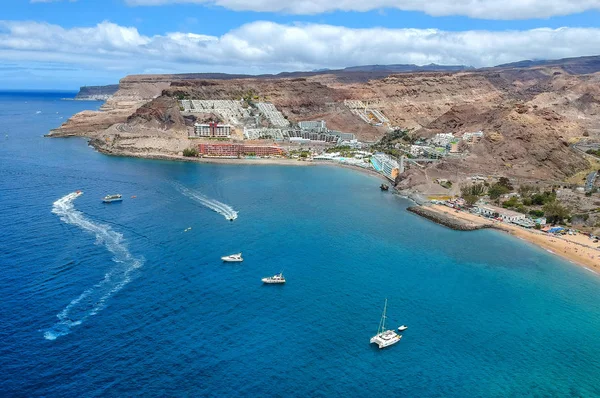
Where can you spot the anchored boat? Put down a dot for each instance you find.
(112, 198)
(233, 258)
(385, 338)
(279, 278)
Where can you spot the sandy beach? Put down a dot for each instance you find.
(578, 249)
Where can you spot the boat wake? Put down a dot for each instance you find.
(225, 210)
(92, 301)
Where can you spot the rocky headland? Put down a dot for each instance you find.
(96, 93)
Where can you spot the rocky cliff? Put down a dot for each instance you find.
(96, 93)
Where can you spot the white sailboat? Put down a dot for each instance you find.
(385, 338)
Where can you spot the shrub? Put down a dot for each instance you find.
(190, 152)
(536, 213)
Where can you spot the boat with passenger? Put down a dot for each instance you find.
(384, 187)
(112, 198)
(385, 338)
(279, 278)
(233, 258)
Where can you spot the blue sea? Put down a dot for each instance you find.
(119, 300)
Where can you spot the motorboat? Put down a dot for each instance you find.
(402, 328)
(112, 198)
(385, 338)
(279, 278)
(233, 258)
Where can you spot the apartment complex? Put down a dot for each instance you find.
(237, 150)
(386, 165)
(212, 130)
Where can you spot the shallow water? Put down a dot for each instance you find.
(118, 300)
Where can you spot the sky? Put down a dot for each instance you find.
(65, 44)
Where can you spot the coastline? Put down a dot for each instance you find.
(240, 161)
(570, 248)
(572, 251)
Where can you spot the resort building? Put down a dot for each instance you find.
(433, 153)
(442, 139)
(237, 150)
(212, 130)
(386, 165)
(504, 214)
(453, 146)
(318, 126)
(472, 138)
(416, 150)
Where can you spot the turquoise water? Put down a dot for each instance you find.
(117, 300)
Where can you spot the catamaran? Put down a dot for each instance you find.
(385, 338)
(233, 258)
(279, 278)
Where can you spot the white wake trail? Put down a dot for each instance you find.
(92, 300)
(225, 210)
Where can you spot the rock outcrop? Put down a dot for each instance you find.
(96, 93)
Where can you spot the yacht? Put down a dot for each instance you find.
(385, 338)
(279, 278)
(233, 258)
(112, 198)
(402, 328)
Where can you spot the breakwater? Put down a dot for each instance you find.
(447, 221)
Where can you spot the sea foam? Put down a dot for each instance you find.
(225, 210)
(93, 300)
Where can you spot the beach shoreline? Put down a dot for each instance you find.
(570, 248)
(240, 161)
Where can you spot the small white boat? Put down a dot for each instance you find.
(112, 198)
(279, 278)
(385, 338)
(402, 328)
(233, 258)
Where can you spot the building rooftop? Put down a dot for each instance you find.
(502, 210)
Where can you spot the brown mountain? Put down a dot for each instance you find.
(531, 112)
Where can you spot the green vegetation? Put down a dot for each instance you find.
(555, 212)
(190, 152)
(472, 193)
(447, 184)
(387, 143)
(544, 203)
(502, 187)
(595, 152)
(536, 213)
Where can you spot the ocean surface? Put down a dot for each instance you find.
(118, 300)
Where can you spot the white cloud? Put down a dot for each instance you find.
(485, 9)
(266, 47)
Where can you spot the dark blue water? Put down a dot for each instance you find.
(117, 300)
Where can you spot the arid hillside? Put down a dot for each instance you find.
(531, 114)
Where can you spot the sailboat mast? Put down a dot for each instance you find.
(383, 318)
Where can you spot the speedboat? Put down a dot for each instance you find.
(279, 278)
(233, 258)
(385, 338)
(112, 198)
(402, 328)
